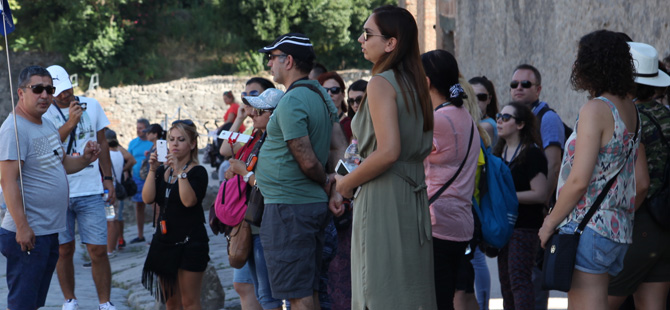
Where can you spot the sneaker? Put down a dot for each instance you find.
(86, 265)
(71, 304)
(122, 243)
(107, 306)
(110, 255)
(137, 240)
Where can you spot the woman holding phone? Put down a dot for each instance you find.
(179, 250)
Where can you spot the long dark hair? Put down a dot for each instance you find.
(529, 135)
(404, 60)
(492, 108)
(442, 70)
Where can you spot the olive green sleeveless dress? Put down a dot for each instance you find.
(391, 245)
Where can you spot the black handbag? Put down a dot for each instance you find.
(255, 207)
(658, 204)
(561, 249)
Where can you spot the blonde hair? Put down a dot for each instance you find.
(191, 133)
(473, 108)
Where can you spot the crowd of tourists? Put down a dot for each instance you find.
(402, 229)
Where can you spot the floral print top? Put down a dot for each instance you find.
(614, 218)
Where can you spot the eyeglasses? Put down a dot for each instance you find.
(505, 117)
(260, 112)
(38, 89)
(366, 35)
(273, 56)
(356, 100)
(333, 90)
(482, 97)
(524, 84)
(252, 93)
(186, 122)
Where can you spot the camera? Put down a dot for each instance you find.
(81, 104)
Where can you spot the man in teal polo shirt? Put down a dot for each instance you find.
(301, 134)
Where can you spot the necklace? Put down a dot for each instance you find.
(168, 186)
(513, 155)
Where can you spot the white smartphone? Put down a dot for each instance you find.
(341, 168)
(161, 150)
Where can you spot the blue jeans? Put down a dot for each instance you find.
(89, 212)
(28, 275)
(482, 279)
(259, 275)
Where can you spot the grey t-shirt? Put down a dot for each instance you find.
(44, 178)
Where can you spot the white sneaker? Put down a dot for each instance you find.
(71, 304)
(107, 306)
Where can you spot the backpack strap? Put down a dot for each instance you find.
(446, 185)
(314, 89)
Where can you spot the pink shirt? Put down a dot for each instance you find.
(451, 214)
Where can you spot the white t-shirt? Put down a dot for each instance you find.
(88, 181)
(117, 164)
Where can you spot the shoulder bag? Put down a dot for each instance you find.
(561, 249)
(658, 204)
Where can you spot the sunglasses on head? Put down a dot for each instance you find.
(367, 35)
(333, 90)
(482, 97)
(186, 122)
(524, 84)
(252, 93)
(38, 89)
(356, 100)
(505, 117)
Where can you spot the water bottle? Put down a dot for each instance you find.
(109, 208)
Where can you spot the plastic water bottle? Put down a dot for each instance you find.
(109, 208)
(351, 155)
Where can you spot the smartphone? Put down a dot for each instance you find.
(161, 150)
(341, 168)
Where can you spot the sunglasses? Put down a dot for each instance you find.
(273, 56)
(505, 117)
(356, 100)
(334, 90)
(366, 35)
(38, 89)
(482, 97)
(524, 84)
(260, 112)
(186, 122)
(252, 93)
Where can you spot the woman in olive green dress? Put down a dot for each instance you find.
(391, 247)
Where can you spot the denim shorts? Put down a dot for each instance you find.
(89, 214)
(28, 275)
(597, 254)
(242, 275)
(140, 184)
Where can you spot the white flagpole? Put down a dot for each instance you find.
(11, 92)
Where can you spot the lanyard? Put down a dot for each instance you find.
(168, 186)
(513, 155)
(72, 133)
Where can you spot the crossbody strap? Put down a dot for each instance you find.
(446, 185)
(607, 187)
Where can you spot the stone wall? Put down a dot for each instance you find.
(493, 37)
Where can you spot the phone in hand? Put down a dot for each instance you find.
(161, 150)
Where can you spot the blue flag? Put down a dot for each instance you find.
(8, 25)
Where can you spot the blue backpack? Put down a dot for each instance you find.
(498, 206)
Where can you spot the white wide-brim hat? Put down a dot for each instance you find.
(645, 59)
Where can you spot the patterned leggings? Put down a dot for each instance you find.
(515, 266)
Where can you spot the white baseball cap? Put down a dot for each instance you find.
(60, 78)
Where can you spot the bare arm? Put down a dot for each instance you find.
(642, 181)
(381, 100)
(553, 154)
(537, 193)
(74, 164)
(594, 117)
(309, 164)
(226, 150)
(105, 164)
(338, 144)
(9, 170)
(149, 189)
(75, 114)
(128, 159)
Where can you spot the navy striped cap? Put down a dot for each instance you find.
(294, 44)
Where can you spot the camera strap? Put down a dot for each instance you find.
(72, 133)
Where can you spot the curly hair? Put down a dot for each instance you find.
(529, 135)
(603, 64)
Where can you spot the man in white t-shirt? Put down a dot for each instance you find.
(79, 120)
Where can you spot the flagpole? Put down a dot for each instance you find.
(11, 92)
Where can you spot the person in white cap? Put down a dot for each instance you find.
(79, 120)
(646, 266)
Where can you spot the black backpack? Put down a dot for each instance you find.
(567, 130)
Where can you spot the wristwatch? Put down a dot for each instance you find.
(247, 176)
(183, 175)
(105, 178)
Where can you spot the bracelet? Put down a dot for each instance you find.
(107, 178)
